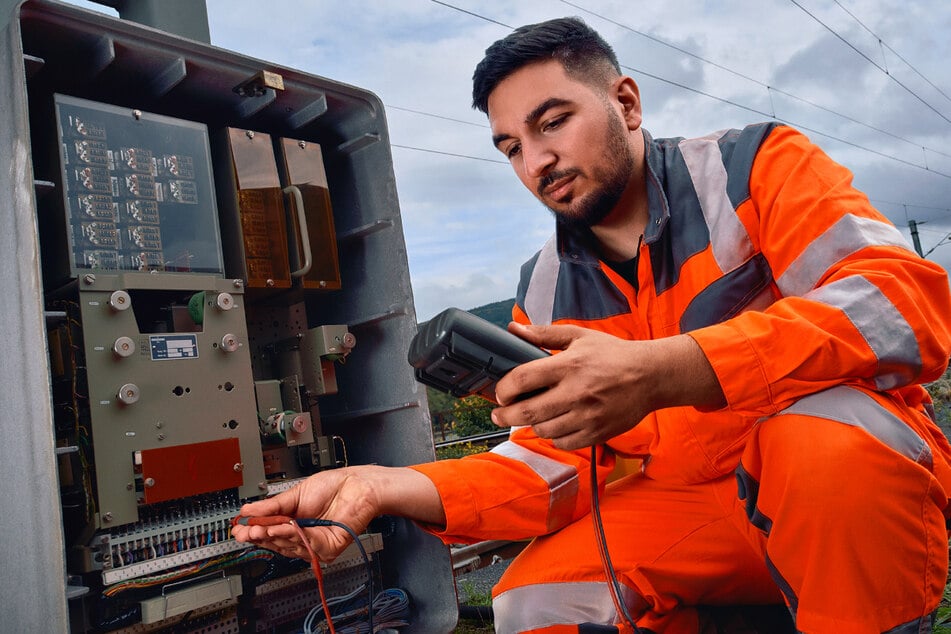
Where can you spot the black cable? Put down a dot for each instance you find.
(872, 62)
(896, 53)
(310, 523)
(768, 87)
(615, 585)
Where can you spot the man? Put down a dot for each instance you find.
(731, 312)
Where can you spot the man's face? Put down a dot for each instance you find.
(567, 142)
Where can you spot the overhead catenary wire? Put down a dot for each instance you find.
(893, 51)
(769, 87)
(873, 62)
(770, 115)
(799, 125)
(465, 156)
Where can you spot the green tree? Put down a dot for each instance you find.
(472, 416)
(440, 411)
(940, 392)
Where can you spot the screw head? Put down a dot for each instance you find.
(249, 134)
(302, 144)
(89, 278)
(224, 301)
(107, 516)
(238, 467)
(137, 114)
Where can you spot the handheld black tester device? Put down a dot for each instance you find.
(462, 354)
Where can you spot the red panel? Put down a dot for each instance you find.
(185, 470)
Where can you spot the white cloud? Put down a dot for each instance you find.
(469, 223)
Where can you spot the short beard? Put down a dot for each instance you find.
(590, 210)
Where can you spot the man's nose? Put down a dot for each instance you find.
(538, 158)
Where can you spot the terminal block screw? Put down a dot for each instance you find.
(107, 517)
(123, 347)
(119, 300)
(229, 343)
(238, 283)
(302, 144)
(137, 114)
(128, 394)
(89, 278)
(249, 134)
(224, 301)
(238, 467)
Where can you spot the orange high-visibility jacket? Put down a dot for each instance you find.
(791, 282)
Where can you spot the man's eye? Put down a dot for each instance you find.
(553, 123)
(513, 150)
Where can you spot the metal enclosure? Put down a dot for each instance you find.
(373, 401)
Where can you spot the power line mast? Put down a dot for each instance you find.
(913, 227)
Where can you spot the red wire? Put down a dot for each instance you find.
(318, 574)
(274, 520)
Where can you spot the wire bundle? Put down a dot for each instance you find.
(209, 565)
(390, 610)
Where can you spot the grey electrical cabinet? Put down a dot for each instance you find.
(205, 299)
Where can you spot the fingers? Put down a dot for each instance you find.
(284, 539)
(565, 432)
(538, 375)
(549, 420)
(549, 337)
(528, 411)
(526, 381)
(281, 504)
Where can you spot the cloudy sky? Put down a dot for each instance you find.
(867, 80)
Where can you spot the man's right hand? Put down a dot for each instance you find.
(352, 496)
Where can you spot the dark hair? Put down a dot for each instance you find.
(584, 54)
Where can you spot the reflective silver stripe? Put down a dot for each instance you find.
(852, 407)
(540, 295)
(562, 481)
(848, 235)
(884, 328)
(729, 240)
(562, 603)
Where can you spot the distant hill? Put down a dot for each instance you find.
(499, 313)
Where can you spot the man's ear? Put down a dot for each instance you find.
(628, 96)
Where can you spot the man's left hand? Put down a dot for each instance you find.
(600, 386)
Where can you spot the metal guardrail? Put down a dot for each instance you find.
(490, 439)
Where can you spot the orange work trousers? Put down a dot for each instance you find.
(844, 524)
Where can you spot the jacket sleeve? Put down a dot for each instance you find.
(523, 488)
(854, 303)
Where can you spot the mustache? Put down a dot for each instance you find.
(551, 177)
